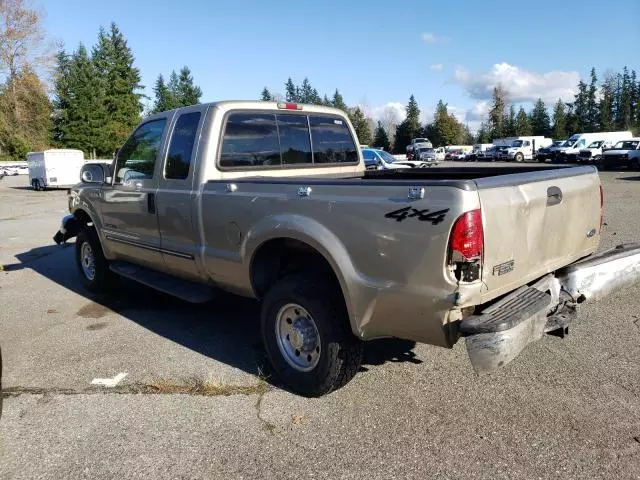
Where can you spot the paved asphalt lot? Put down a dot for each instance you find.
(566, 408)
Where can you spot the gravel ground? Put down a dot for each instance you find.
(565, 408)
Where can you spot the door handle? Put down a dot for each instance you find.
(151, 202)
(554, 196)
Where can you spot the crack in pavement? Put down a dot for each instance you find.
(270, 427)
(148, 389)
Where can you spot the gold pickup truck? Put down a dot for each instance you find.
(272, 201)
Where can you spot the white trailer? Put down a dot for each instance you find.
(54, 168)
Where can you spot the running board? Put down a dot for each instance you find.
(188, 291)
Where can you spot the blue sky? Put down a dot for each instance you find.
(377, 55)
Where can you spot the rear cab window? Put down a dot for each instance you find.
(181, 147)
(281, 140)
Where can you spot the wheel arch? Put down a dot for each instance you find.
(299, 245)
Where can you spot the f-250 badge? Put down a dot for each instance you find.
(423, 215)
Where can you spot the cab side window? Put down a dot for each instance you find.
(137, 158)
(182, 146)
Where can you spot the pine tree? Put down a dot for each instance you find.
(361, 126)
(580, 109)
(291, 90)
(61, 96)
(497, 112)
(86, 113)
(606, 119)
(559, 121)
(114, 65)
(447, 129)
(380, 138)
(626, 101)
(484, 133)
(338, 102)
(540, 121)
(163, 96)
(522, 127)
(409, 128)
(325, 101)
(265, 95)
(187, 92)
(510, 122)
(592, 114)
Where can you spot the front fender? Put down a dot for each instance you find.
(356, 288)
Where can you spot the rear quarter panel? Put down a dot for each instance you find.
(388, 253)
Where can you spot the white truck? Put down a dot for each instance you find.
(415, 144)
(523, 148)
(572, 146)
(54, 168)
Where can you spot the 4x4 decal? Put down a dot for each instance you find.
(423, 215)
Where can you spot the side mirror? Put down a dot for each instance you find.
(92, 173)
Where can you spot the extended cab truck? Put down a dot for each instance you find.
(415, 144)
(272, 201)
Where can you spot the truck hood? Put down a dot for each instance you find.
(617, 152)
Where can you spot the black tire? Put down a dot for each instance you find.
(103, 279)
(634, 164)
(36, 185)
(341, 353)
(519, 157)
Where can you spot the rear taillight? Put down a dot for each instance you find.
(601, 207)
(466, 243)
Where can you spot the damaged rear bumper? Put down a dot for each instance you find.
(504, 329)
(68, 229)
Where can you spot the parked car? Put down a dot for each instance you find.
(272, 201)
(548, 153)
(568, 152)
(623, 154)
(380, 160)
(415, 144)
(593, 152)
(490, 154)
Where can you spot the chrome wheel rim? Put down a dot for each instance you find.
(87, 261)
(297, 337)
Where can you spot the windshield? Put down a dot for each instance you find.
(425, 150)
(421, 140)
(517, 143)
(386, 156)
(627, 145)
(595, 144)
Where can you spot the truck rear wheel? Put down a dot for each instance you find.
(307, 336)
(92, 266)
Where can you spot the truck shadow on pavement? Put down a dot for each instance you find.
(226, 329)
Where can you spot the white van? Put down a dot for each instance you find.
(54, 168)
(524, 148)
(572, 146)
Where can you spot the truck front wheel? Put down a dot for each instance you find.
(92, 266)
(307, 337)
(519, 157)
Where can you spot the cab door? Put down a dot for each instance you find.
(130, 225)
(176, 194)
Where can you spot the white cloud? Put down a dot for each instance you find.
(522, 85)
(431, 38)
(436, 67)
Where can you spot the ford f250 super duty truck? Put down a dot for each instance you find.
(272, 201)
